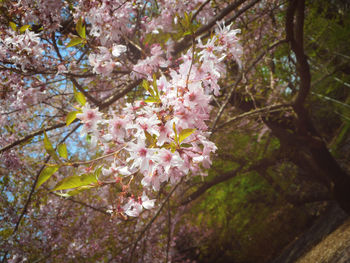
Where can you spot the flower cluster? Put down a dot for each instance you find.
(21, 49)
(164, 137)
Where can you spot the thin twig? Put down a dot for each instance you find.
(152, 220)
(199, 9)
(267, 109)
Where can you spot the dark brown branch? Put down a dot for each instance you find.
(199, 9)
(53, 38)
(119, 94)
(295, 34)
(217, 180)
(261, 164)
(31, 135)
(241, 11)
(84, 204)
(86, 94)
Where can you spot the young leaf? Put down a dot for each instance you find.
(49, 148)
(79, 97)
(172, 147)
(185, 133)
(155, 85)
(166, 145)
(98, 172)
(151, 141)
(13, 26)
(24, 28)
(151, 100)
(45, 174)
(75, 41)
(76, 191)
(176, 138)
(81, 29)
(147, 87)
(75, 181)
(62, 150)
(88, 138)
(71, 116)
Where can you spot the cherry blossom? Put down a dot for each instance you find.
(153, 137)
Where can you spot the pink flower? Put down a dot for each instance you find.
(140, 155)
(229, 40)
(134, 208)
(154, 178)
(102, 63)
(208, 50)
(168, 160)
(89, 115)
(117, 128)
(90, 118)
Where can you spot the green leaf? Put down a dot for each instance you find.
(172, 147)
(81, 29)
(155, 85)
(71, 116)
(76, 191)
(24, 28)
(75, 41)
(166, 145)
(13, 26)
(48, 147)
(62, 150)
(185, 133)
(188, 17)
(147, 87)
(98, 172)
(75, 181)
(79, 97)
(88, 138)
(176, 138)
(151, 100)
(151, 141)
(45, 174)
(186, 145)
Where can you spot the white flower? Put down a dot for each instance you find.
(117, 50)
(132, 208)
(146, 202)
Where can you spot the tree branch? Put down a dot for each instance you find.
(295, 34)
(86, 94)
(261, 164)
